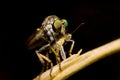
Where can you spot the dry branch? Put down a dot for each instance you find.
(77, 62)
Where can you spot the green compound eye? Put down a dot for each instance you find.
(57, 24)
(64, 22)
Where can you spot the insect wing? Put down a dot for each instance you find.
(36, 39)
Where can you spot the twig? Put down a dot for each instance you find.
(77, 62)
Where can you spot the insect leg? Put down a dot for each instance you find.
(44, 47)
(42, 58)
(71, 48)
(47, 64)
(57, 56)
(62, 52)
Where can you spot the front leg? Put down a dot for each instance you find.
(71, 48)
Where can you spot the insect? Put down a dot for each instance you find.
(50, 38)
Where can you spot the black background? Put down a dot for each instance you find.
(20, 20)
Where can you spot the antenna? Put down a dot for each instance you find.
(77, 28)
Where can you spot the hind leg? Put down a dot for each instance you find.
(42, 58)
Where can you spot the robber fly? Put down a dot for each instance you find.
(51, 37)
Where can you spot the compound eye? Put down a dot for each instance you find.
(57, 24)
(64, 22)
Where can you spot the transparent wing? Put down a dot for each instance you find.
(37, 39)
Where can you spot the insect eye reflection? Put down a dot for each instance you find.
(58, 23)
(64, 22)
